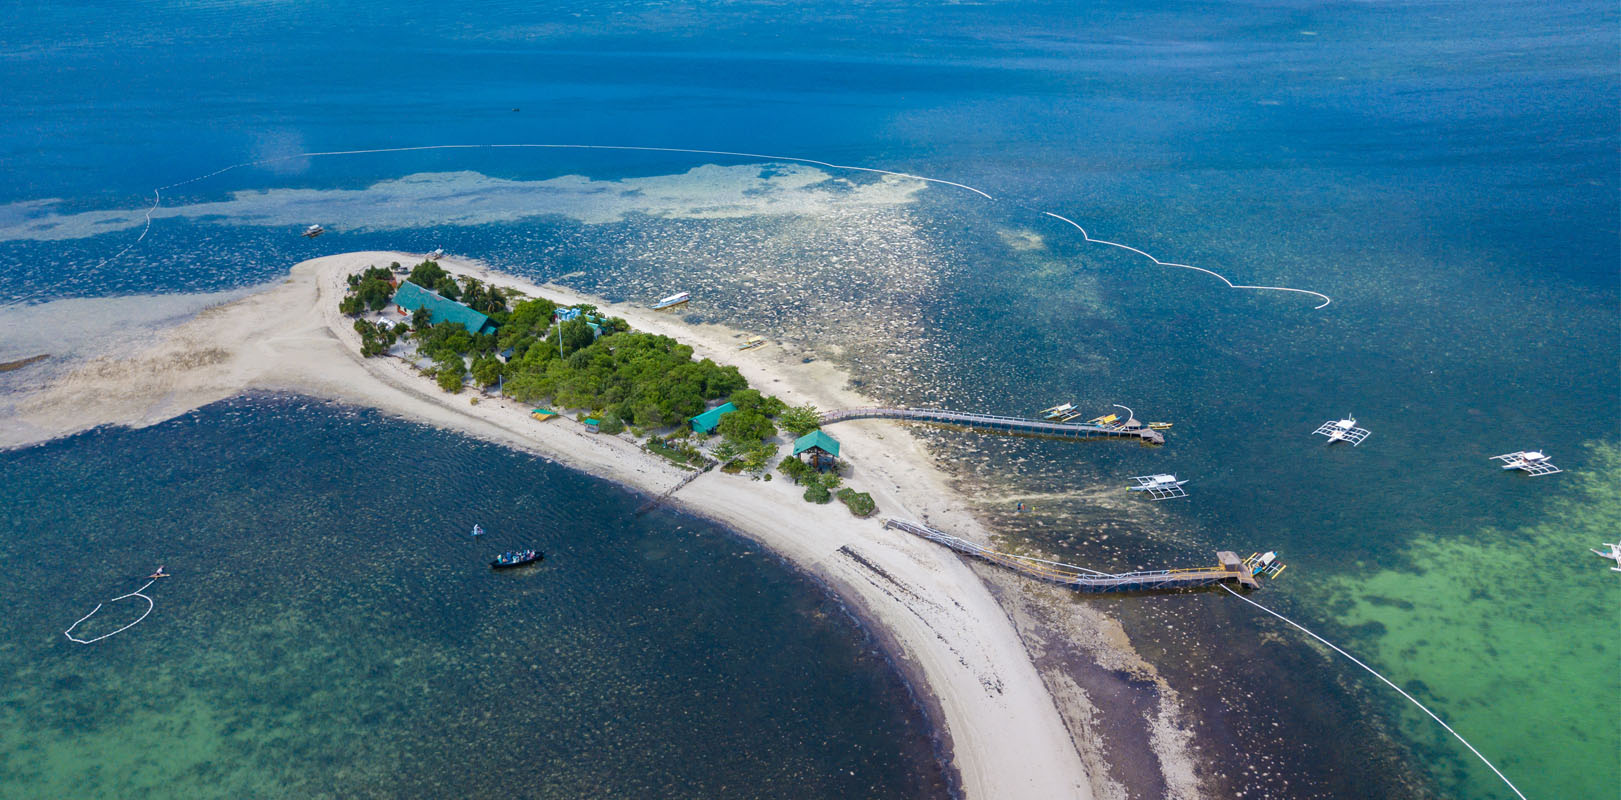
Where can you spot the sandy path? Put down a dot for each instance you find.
(947, 630)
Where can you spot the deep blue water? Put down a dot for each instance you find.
(1446, 171)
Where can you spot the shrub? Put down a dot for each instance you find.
(800, 420)
(859, 503)
(817, 493)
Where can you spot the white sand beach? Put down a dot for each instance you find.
(1006, 735)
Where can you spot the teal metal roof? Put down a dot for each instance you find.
(817, 439)
(706, 422)
(411, 297)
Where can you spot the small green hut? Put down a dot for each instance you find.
(823, 449)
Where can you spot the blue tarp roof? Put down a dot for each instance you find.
(706, 422)
(411, 297)
(819, 440)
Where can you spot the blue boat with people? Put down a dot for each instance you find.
(516, 558)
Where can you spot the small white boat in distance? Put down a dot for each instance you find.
(672, 301)
(1531, 462)
(313, 231)
(1613, 555)
(1159, 487)
(438, 252)
(1344, 430)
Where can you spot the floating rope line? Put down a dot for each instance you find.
(157, 194)
(137, 593)
(1388, 682)
(1218, 276)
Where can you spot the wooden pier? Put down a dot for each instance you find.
(1229, 567)
(991, 423)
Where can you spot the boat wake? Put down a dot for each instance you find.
(157, 194)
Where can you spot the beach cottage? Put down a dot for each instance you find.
(821, 450)
(709, 420)
(411, 297)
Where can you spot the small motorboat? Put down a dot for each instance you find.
(313, 231)
(672, 301)
(516, 558)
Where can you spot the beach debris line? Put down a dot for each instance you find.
(1158, 487)
(1229, 567)
(1531, 462)
(151, 579)
(1344, 430)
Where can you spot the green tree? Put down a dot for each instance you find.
(447, 288)
(349, 305)
(746, 427)
(577, 334)
(800, 420)
(487, 370)
(427, 274)
(421, 318)
(450, 373)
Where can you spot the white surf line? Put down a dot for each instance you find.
(157, 194)
(1387, 681)
(1217, 275)
(137, 593)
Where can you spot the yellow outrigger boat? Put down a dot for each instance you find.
(752, 342)
(1109, 420)
(1159, 426)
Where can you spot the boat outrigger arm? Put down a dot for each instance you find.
(1614, 554)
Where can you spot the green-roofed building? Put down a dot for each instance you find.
(411, 297)
(709, 420)
(823, 449)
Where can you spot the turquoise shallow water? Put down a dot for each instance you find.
(331, 630)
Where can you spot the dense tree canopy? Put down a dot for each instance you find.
(427, 274)
(647, 380)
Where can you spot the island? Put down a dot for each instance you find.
(629, 394)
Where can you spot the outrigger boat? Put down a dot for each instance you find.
(1344, 430)
(516, 558)
(438, 253)
(478, 530)
(1159, 487)
(313, 231)
(1058, 411)
(1105, 422)
(1159, 426)
(752, 342)
(672, 301)
(1532, 462)
(1613, 555)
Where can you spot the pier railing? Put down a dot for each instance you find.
(1228, 569)
(995, 423)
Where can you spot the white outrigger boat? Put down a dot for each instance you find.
(438, 253)
(1058, 412)
(1531, 462)
(1613, 555)
(672, 301)
(313, 231)
(1344, 430)
(1159, 487)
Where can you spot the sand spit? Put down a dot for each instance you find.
(1006, 735)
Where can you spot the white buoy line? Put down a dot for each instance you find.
(137, 593)
(157, 194)
(1218, 276)
(1387, 682)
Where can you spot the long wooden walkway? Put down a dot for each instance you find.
(1229, 567)
(1017, 426)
